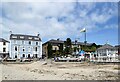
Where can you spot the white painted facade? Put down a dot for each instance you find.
(4, 48)
(107, 53)
(26, 48)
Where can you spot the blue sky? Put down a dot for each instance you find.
(61, 20)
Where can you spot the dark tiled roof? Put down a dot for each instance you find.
(3, 40)
(60, 41)
(56, 41)
(26, 37)
(106, 46)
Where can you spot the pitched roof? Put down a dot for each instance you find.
(3, 40)
(60, 41)
(24, 37)
(106, 46)
(54, 41)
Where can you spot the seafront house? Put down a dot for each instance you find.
(58, 46)
(25, 46)
(107, 53)
(55, 47)
(4, 48)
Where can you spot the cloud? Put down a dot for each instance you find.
(112, 26)
(54, 19)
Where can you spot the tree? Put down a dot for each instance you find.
(93, 48)
(61, 49)
(49, 48)
(68, 49)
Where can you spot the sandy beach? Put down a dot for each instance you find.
(58, 71)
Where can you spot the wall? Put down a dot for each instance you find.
(28, 49)
(4, 46)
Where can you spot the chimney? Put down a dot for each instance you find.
(38, 34)
(10, 32)
(58, 39)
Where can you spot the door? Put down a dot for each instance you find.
(35, 55)
(28, 55)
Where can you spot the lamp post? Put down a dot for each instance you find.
(84, 30)
(75, 47)
(85, 39)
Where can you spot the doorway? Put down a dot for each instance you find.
(23, 55)
(28, 55)
(35, 55)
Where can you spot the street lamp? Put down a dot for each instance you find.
(84, 30)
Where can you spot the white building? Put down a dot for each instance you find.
(4, 48)
(107, 53)
(25, 46)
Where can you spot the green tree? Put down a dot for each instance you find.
(49, 48)
(68, 49)
(61, 49)
(93, 48)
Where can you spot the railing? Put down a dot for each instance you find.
(106, 59)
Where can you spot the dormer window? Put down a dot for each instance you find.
(30, 38)
(22, 37)
(14, 36)
(36, 38)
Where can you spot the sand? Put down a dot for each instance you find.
(58, 71)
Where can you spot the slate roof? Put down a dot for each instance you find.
(56, 41)
(106, 46)
(60, 41)
(26, 37)
(3, 40)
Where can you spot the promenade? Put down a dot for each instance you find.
(59, 71)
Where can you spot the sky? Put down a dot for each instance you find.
(61, 20)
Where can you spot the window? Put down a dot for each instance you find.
(23, 55)
(29, 37)
(14, 36)
(29, 42)
(35, 55)
(15, 41)
(36, 49)
(15, 48)
(15, 56)
(4, 43)
(22, 37)
(55, 48)
(4, 49)
(36, 43)
(29, 49)
(28, 55)
(22, 42)
(36, 38)
(23, 49)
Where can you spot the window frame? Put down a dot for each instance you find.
(4, 49)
